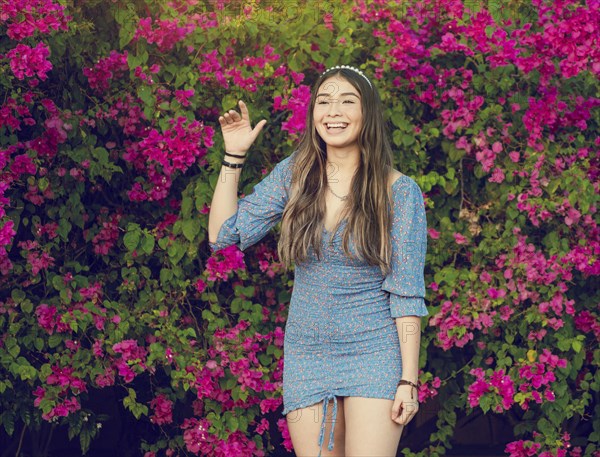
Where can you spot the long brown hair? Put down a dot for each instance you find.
(368, 207)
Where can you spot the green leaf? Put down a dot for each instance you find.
(564, 344)
(54, 340)
(17, 295)
(485, 403)
(163, 242)
(187, 205)
(131, 240)
(236, 305)
(27, 306)
(43, 184)
(84, 440)
(8, 420)
(58, 283)
(165, 275)
(13, 348)
(232, 423)
(146, 95)
(243, 420)
(64, 228)
(545, 427)
(148, 244)
(38, 344)
(191, 228)
(101, 155)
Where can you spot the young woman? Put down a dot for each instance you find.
(356, 231)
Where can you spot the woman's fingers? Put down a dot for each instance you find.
(226, 119)
(234, 115)
(258, 127)
(230, 117)
(244, 110)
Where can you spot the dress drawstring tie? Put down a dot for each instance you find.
(328, 397)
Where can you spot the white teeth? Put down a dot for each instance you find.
(339, 124)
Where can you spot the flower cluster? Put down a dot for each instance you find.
(62, 404)
(498, 383)
(30, 62)
(528, 448)
(218, 67)
(49, 319)
(132, 356)
(160, 155)
(37, 258)
(163, 410)
(219, 266)
(297, 104)
(26, 17)
(531, 378)
(165, 33)
(106, 69)
(536, 376)
(108, 235)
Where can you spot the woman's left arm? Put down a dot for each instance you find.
(409, 334)
(406, 286)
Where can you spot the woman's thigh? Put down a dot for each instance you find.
(370, 430)
(305, 425)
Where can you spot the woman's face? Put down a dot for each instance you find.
(337, 114)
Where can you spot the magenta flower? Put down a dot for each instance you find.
(459, 238)
(29, 62)
(163, 410)
(27, 17)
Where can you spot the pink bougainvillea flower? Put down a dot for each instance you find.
(459, 238)
(30, 62)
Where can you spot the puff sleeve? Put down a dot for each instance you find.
(405, 282)
(257, 212)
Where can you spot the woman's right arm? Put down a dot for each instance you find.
(238, 136)
(225, 199)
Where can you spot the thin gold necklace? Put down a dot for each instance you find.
(344, 198)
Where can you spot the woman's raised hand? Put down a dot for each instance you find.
(237, 131)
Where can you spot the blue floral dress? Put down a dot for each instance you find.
(340, 337)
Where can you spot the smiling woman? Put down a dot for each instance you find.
(357, 292)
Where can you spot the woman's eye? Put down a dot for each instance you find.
(322, 102)
(348, 101)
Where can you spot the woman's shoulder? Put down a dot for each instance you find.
(395, 175)
(402, 184)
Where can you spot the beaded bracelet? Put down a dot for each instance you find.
(406, 382)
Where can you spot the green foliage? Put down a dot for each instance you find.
(511, 261)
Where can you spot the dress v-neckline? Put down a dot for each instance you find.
(327, 232)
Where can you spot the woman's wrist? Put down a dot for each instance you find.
(413, 386)
(408, 382)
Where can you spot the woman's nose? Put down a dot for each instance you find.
(333, 107)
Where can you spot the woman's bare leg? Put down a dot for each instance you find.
(370, 430)
(305, 425)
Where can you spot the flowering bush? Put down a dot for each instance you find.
(108, 158)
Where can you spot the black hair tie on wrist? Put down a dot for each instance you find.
(235, 155)
(406, 382)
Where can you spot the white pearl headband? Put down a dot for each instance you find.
(356, 70)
